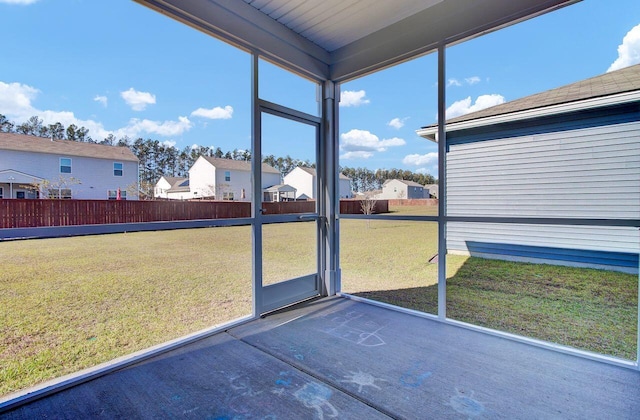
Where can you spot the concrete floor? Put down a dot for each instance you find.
(338, 358)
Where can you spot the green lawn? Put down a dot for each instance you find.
(71, 303)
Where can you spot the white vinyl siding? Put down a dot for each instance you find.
(587, 173)
(302, 181)
(94, 176)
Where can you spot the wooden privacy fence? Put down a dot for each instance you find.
(15, 213)
(355, 207)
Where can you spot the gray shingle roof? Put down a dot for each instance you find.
(404, 181)
(25, 143)
(178, 184)
(619, 81)
(238, 165)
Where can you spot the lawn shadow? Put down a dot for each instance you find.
(589, 309)
(423, 299)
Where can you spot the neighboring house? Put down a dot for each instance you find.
(393, 189)
(280, 192)
(65, 169)
(227, 179)
(373, 194)
(572, 152)
(172, 188)
(431, 191)
(304, 181)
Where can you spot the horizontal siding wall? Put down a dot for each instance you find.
(585, 173)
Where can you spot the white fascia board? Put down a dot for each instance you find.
(430, 133)
(245, 27)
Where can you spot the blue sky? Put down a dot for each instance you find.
(117, 67)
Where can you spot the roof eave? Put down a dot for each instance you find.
(447, 22)
(431, 132)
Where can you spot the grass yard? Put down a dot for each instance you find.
(588, 309)
(72, 303)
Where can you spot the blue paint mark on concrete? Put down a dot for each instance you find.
(284, 381)
(466, 405)
(415, 376)
(316, 396)
(313, 392)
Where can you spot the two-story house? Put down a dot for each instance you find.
(227, 179)
(32, 167)
(399, 188)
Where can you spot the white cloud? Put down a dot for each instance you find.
(216, 113)
(102, 99)
(465, 106)
(169, 143)
(397, 123)
(420, 160)
(356, 155)
(628, 51)
(353, 98)
(15, 99)
(428, 171)
(19, 2)
(164, 128)
(137, 100)
(472, 80)
(428, 162)
(16, 104)
(468, 80)
(195, 146)
(365, 141)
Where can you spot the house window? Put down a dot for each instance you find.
(227, 196)
(1, 192)
(113, 195)
(117, 169)
(65, 165)
(227, 176)
(63, 193)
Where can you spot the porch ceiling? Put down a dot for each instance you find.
(342, 39)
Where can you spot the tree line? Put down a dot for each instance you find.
(158, 159)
